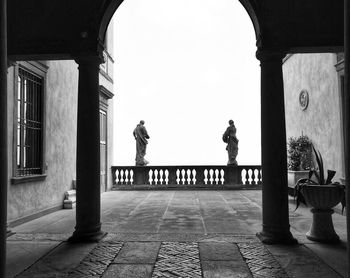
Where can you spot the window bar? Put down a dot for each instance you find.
(21, 127)
(30, 135)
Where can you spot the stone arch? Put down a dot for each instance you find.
(111, 7)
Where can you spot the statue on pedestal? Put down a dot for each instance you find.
(230, 138)
(141, 136)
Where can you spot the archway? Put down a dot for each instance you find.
(275, 197)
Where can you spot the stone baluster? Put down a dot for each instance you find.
(253, 176)
(247, 177)
(184, 176)
(189, 176)
(161, 176)
(222, 175)
(150, 179)
(156, 176)
(216, 176)
(122, 175)
(130, 176)
(259, 177)
(126, 176)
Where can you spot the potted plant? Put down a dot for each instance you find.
(322, 195)
(299, 160)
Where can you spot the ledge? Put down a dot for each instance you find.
(105, 75)
(25, 179)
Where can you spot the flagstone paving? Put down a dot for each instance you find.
(174, 234)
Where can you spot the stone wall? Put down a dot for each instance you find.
(321, 121)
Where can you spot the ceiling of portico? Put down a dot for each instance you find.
(62, 29)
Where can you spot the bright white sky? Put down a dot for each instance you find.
(186, 67)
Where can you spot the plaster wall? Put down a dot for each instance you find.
(109, 86)
(110, 144)
(60, 143)
(321, 121)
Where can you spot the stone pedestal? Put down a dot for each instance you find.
(274, 152)
(232, 176)
(141, 175)
(322, 228)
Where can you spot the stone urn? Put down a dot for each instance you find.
(322, 198)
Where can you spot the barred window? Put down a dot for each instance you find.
(29, 147)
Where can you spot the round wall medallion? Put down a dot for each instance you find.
(304, 99)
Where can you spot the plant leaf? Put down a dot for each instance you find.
(319, 161)
(316, 175)
(321, 169)
(343, 199)
(330, 176)
(298, 196)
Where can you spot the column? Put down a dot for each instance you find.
(275, 227)
(88, 210)
(3, 136)
(347, 116)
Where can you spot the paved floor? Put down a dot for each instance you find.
(174, 234)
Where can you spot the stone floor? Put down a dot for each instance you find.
(174, 234)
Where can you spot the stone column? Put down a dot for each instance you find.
(88, 210)
(347, 116)
(3, 135)
(274, 152)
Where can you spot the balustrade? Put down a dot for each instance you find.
(182, 176)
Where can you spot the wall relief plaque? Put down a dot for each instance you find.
(304, 99)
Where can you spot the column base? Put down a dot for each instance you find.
(87, 237)
(276, 238)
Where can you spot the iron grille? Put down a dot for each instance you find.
(29, 124)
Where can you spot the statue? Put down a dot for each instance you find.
(141, 136)
(230, 138)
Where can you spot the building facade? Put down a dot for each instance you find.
(314, 104)
(42, 137)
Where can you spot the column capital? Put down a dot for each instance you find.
(264, 55)
(10, 63)
(90, 59)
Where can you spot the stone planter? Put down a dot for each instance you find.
(293, 177)
(322, 198)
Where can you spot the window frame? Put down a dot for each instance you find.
(39, 69)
